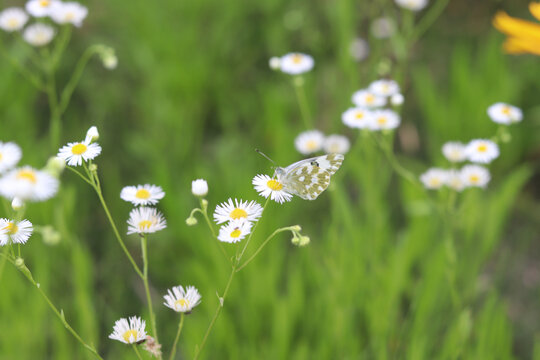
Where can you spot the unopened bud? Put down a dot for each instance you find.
(199, 187)
(92, 135)
(304, 240)
(296, 228)
(19, 262)
(275, 63)
(190, 221)
(93, 167)
(17, 204)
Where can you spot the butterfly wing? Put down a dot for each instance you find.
(310, 177)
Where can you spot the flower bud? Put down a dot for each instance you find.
(190, 221)
(275, 63)
(17, 204)
(92, 135)
(93, 167)
(199, 187)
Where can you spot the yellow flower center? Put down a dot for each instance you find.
(359, 115)
(79, 149)
(482, 148)
(11, 228)
(44, 3)
(142, 194)
(27, 175)
(181, 303)
(506, 110)
(297, 58)
(128, 334)
(238, 214)
(381, 120)
(236, 233)
(145, 224)
(0, 156)
(370, 98)
(434, 182)
(69, 16)
(311, 145)
(13, 23)
(474, 179)
(274, 185)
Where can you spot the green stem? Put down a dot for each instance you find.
(81, 176)
(3, 261)
(289, 228)
(428, 19)
(216, 314)
(29, 75)
(61, 44)
(180, 325)
(144, 241)
(298, 83)
(134, 346)
(204, 212)
(386, 147)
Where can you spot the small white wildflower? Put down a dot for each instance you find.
(17, 204)
(181, 300)
(454, 151)
(145, 220)
(309, 141)
(10, 154)
(239, 210)
(296, 63)
(234, 231)
(41, 8)
(357, 117)
(274, 63)
(384, 87)
(92, 135)
(384, 120)
(199, 187)
(455, 180)
(28, 184)
(129, 333)
(434, 178)
(414, 5)
(13, 19)
(267, 186)
(382, 28)
(16, 231)
(337, 144)
(38, 34)
(506, 114)
(397, 99)
(482, 151)
(146, 194)
(475, 175)
(69, 13)
(367, 99)
(75, 153)
(359, 49)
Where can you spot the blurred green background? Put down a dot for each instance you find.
(193, 97)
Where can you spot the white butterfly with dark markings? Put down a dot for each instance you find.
(310, 177)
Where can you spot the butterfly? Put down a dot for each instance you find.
(308, 178)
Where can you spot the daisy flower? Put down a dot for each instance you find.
(27, 183)
(414, 5)
(434, 178)
(336, 144)
(397, 99)
(76, 152)
(506, 114)
(13, 19)
(358, 118)
(383, 28)
(38, 34)
(142, 194)
(454, 151)
(475, 175)
(359, 49)
(69, 13)
(384, 87)
(239, 210)
(145, 220)
(267, 186)
(234, 231)
(199, 187)
(16, 231)
(454, 180)
(129, 333)
(367, 99)
(309, 141)
(41, 8)
(181, 300)
(10, 154)
(384, 120)
(296, 63)
(482, 151)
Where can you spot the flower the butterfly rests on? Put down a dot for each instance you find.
(306, 178)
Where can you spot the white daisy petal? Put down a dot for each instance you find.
(41, 8)
(506, 114)
(234, 231)
(434, 178)
(68, 13)
(309, 141)
(367, 99)
(357, 117)
(267, 186)
(482, 151)
(142, 194)
(454, 151)
(475, 176)
(145, 220)
(10, 154)
(13, 19)
(336, 144)
(76, 152)
(129, 333)
(239, 210)
(38, 34)
(296, 63)
(28, 184)
(16, 231)
(384, 87)
(181, 300)
(414, 5)
(384, 120)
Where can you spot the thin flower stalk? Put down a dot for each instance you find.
(144, 249)
(180, 326)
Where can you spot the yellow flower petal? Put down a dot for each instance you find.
(534, 8)
(516, 27)
(522, 46)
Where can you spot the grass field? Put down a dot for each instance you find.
(393, 271)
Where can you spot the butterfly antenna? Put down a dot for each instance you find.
(263, 154)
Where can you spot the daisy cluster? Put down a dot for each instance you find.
(312, 141)
(477, 151)
(237, 217)
(45, 13)
(369, 111)
(292, 63)
(144, 219)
